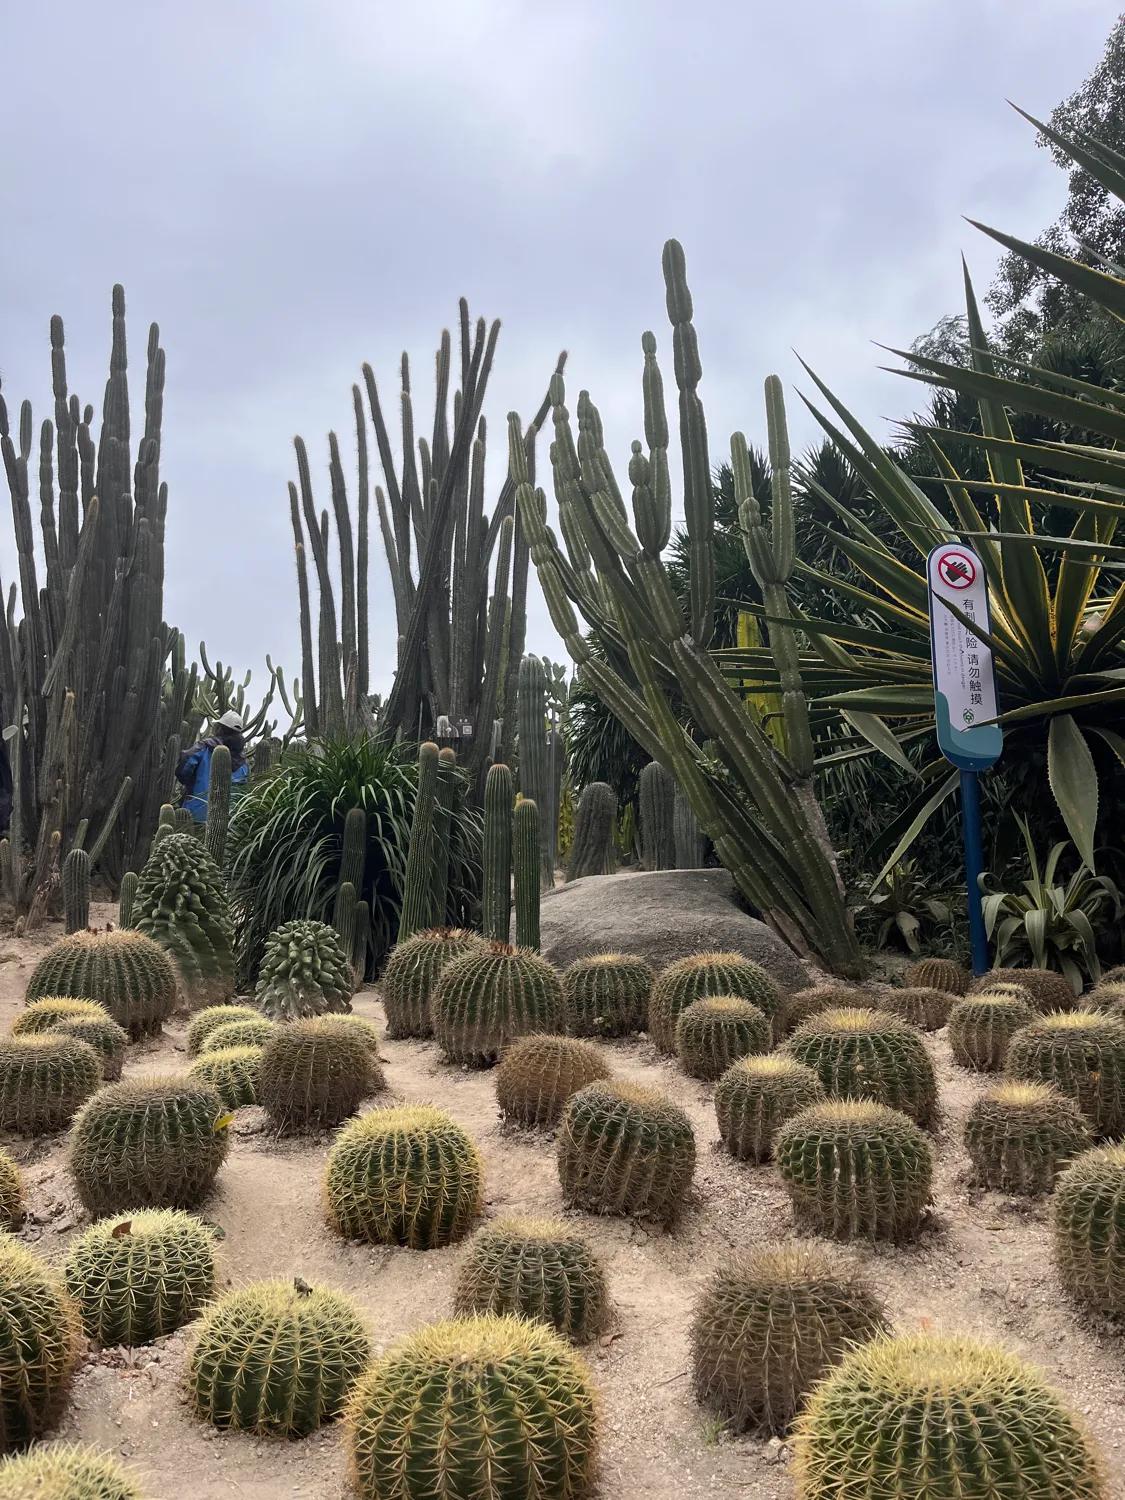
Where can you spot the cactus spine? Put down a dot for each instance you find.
(11, 1193)
(1088, 1218)
(868, 1054)
(939, 974)
(1049, 991)
(591, 851)
(205, 1022)
(313, 1075)
(417, 890)
(701, 977)
(535, 754)
(76, 890)
(607, 994)
(526, 864)
(182, 905)
(711, 1034)
(218, 804)
(1083, 1054)
(65, 1471)
(981, 1028)
(43, 1080)
(39, 1331)
(535, 1269)
(412, 972)
(657, 792)
(496, 915)
(1020, 1135)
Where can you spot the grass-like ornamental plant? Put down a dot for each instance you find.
(482, 1408)
(925, 1007)
(944, 1418)
(1083, 1054)
(65, 1471)
(625, 1149)
(701, 977)
(1019, 1136)
(245, 1031)
(770, 1323)
(1049, 991)
(128, 974)
(855, 1169)
(305, 972)
(11, 1193)
(43, 1079)
(535, 1269)
(313, 1075)
(413, 970)
(39, 1335)
(205, 1021)
(981, 1028)
(1088, 1220)
(802, 1005)
(938, 974)
(182, 904)
(755, 1097)
(232, 1072)
(52, 1010)
(711, 1034)
(277, 1358)
(607, 994)
(108, 1040)
(484, 1000)
(406, 1176)
(136, 1279)
(538, 1074)
(148, 1143)
(868, 1054)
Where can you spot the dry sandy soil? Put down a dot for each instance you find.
(982, 1266)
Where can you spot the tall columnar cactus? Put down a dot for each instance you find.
(525, 863)
(538, 1074)
(1019, 1136)
(417, 888)
(868, 1054)
(755, 1097)
(591, 849)
(218, 804)
(770, 1323)
(486, 999)
(127, 899)
(344, 925)
(1088, 1219)
(1083, 1055)
(76, 890)
(535, 1269)
(496, 912)
(140, 1278)
(313, 1075)
(508, 1397)
(625, 1149)
(412, 972)
(277, 1358)
(39, 1332)
(65, 1471)
(711, 1034)
(353, 863)
(126, 973)
(919, 1415)
(534, 756)
(981, 1028)
(1049, 991)
(657, 797)
(11, 1193)
(688, 841)
(607, 994)
(406, 1176)
(447, 794)
(939, 974)
(207, 1021)
(182, 905)
(43, 1080)
(701, 977)
(305, 971)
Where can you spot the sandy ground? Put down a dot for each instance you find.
(981, 1266)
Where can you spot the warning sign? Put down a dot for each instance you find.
(957, 569)
(964, 684)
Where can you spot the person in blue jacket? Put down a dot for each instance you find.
(194, 769)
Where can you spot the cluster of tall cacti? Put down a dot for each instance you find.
(218, 690)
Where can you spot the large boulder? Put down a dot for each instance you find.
(662, 915)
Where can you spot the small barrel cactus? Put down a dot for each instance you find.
(701, 977)
(755, 1097)
(128, 974)
(508, 1397)
(855, 1169)
(43, 1080)
(277, 1358)
(305, 972)
(770, 1323)
(65, 1471)
(1020, 1135)
(903, 1418)
(136, 1279)
(1049, 991)
(108, 1040)
(204, 1022)
(11, 1193)
(312, 1076)
(981, 1028)
(711, 1034)
(251, 1031)
(408, 1176)
(925, 1007)
(39, 1339)
(591, 845)
(1107, 1000)
(232, 1072)
(413, 970)
(1088, 1220)
(181, 903)
(148, 1143)
(625, 1149)
(535, 1269)
(50, 1012)
(816, 999)
(868, 1054)
(1083, 1055)
(484, 1000)
(538, 1074)
(357, 1026)
(938, 974)
(607, 995)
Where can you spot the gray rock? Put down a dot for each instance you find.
(662, 915)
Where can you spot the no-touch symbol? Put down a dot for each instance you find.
(958, 570)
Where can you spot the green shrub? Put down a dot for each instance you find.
(625, 1149)
(65, 1471)
(928, 1009)
(312, 1076)
(11, 1193)
(39, 1343)
(128, 974)
(108, 1040)
(535, 1269)
(51, 1011)
(868, 1054)
(701, 977)
(484, 1000)
(755, 1097)
(607, 995)
(711, 1034)
(1019, 1136)
(182, 904)
(232, 1072)
(538, 1074)
(250, 1031)
(43, 1080)
(204, 1022)
(305, 972)
(1088, 1220)
(938, 974)
(1083, 1055)
(413, 970)
(1049, 991)
(981, 1028)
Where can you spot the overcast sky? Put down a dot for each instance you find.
(291, 188)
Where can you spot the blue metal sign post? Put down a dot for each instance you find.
(964, 702)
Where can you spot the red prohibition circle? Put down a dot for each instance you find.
(957, 570)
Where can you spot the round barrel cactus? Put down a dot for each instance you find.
(181, 903)
(625, 1149)
(483, 1408)
(711, 1034)
(817, 998)
(1049, 991)
(1020, 1135)
(701, 977)
(51, 1011)
(232, 1072)
(407, 1176)
(312, 1075)
(486, 999)
(755, 1097)
(413, 970)
(366, 1031)
(925, 1007)
(43, 1080)
(1107, 999)
(607, 995)
(868, 1054)
(981, 1028)
(128, 974)
(770, 1323)
(305, 972)
(1083, 1054)
(246, 1031)
(39, 1343)
(11, 1193)
(136, 1279)
(277, 1358)
(538, 1074)
(108, 1040)
(1088, 1219)
(205, 1021)
(535, 1269)
(65, 1471)
(938, 974)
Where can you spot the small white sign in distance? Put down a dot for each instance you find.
(964, 682)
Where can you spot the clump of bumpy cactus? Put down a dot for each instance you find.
(11, 1193)
(535, 1269)
(137, 1279)
(1088, 1219)
(701, 977)
(815, 1000)
(538, 1074)
(591, 847)
(108, 1040)
(412, 972)
(938, 974)
(43, 1080)
(711, 1034)
(771, 1323)
(39, 1333)
(926, 1008)
(50, 1012)
(252, 1031)
(206, 1021)
(232, 1072)
(278, 1358)
(1049, 991)
(486, 999)
(855, 1169)
(305, 972)
(65, 1471)
(625, 1149)
(465, 1387)
(981, 1027)
(1020, 1135)
(1083, 1055)
(408, 1176)
(607, 995)
(312, 1076)
(148, 1143)
(181, 904)
(902, 1418)
(128, 974)
(755, 1097)
(868, 1054)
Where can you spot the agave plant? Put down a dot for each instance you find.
(903, 904)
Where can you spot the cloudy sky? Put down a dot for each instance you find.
(293, 188)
